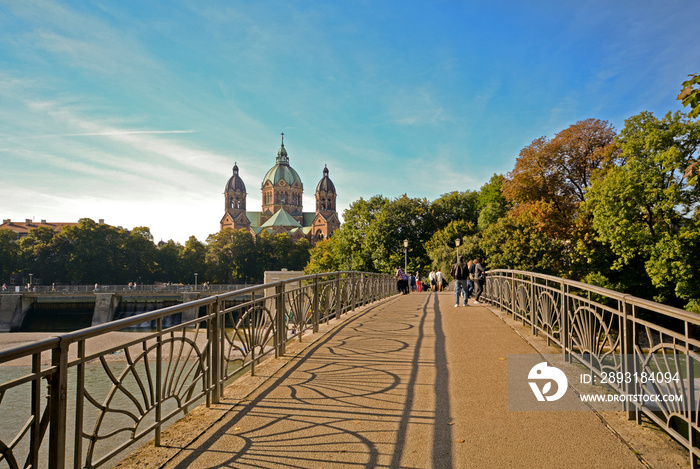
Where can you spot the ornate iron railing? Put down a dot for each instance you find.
(608, 331)
(168, 361)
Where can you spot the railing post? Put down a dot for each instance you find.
(35, 435)
(215, 345)
(353, 286)
(513, 300)
(58, 406)
(159, 378)
(316, 302)
(281, 319)
(533, 306)
(564, 321)
(629, 363)
(337, 295)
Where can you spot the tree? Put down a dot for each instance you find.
(490, 202)
(323, 258)
(559, 171)
(519, 241)
(169, 264)
(352, 242)
(232, 256)
(690, 95)
(454, 206)
(193, 259)
(643, 201)
(38, 255)
(9, 254)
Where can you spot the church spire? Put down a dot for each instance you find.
(282, 157)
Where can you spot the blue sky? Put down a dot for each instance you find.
(135, 111)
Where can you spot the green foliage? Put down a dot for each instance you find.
(371, 238)
(690, 95)
(9, 255)
(517, 242)
(323, 258)
(454, 206)
(96, 253)
(643, 205)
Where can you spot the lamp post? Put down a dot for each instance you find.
(195, 281)
(405, 255)
(457, 243)
(30, 282)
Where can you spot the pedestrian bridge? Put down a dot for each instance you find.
(340, 372)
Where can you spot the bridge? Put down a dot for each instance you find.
(337, 371)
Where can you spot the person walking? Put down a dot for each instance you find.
(479, 279)
(419, 283)
(438, 279)
(470, 278)
(460, 273)
(431, 276)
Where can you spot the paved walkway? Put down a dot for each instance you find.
(409, 383)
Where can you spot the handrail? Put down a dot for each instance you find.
(172, 359)
(615, 324)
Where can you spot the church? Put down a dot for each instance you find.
(282, 210)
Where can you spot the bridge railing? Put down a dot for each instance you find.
(608, 331)
(82, 398)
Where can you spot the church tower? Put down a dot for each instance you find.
(282, 189)
(234, 200)
(326, 220)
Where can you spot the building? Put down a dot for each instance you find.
(282, 209)
(22, 228)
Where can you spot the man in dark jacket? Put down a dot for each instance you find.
(460, 273)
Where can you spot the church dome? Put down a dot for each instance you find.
(325, 184)
(235, 183)
(282, 170)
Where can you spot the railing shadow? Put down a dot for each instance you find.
(348, 401)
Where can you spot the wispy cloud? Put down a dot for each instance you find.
(106, 133)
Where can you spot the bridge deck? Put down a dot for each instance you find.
(413, 383)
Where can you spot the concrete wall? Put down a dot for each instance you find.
(13, 308)
(106, 305)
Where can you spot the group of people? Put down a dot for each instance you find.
(469, 278)
(406, 283)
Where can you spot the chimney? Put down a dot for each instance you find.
(27, 221)
(101, 221)
(43, 222)
(6, 222)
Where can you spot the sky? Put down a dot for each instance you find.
(135, 111)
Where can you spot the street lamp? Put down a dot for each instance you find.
(195, 281)
(405, 255)
(30, 281)
(457, 243)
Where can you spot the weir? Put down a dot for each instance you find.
(63, 312)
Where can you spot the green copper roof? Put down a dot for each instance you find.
(282, 171)
(281, 218)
